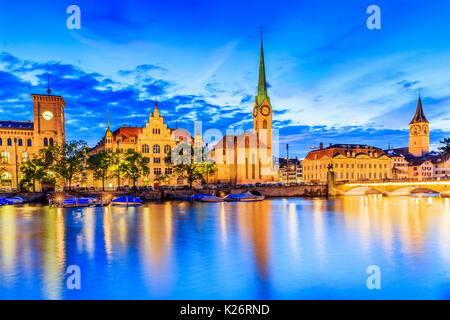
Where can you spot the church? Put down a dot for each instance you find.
(248, 157)
(19, 140)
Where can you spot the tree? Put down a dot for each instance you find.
(32, 171)
(67, 160)
(134, 166)
(117, 167)
(100, 163)
(208, 166)
(185, 166)
(445, 149)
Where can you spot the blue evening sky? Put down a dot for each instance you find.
(331, 79)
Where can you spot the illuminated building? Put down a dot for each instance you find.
(20, 140)
(350, 162)
(248, 158)
(155, 142)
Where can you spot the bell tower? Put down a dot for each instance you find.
(419, 132)
(262, 110)
(48, 120)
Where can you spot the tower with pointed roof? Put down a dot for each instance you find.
(262, 109)
(419, 132)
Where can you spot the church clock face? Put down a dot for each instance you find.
(47, 115)
(265, 111)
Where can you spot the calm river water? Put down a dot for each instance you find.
(275, 249)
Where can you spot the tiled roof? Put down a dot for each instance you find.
(17, 125)
(336, 149)
(127, 132)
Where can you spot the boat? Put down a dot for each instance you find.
(5, 201)
(16, 200)
(206, 198)
(126, 201)
(75, 202)
(245, 197)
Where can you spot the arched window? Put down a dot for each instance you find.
(6, 179)
(20, 143)
(156, 148)
(9, 142)
(5, 157)
(1, 142)
(265, 124)
(145, 148)
(29, 142)
(167, 149)
(25, 156)
(51, 141)
(45, 142)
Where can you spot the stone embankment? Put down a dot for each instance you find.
(159, 195)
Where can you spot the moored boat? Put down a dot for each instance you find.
(75, 202)
(126, 201)
(245, 197)
(208, 198)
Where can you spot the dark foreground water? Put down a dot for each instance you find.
(275, 249)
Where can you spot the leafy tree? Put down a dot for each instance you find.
(67, 160)
(33, 171)
(208, 166)
(100, 163)
(445, 149)
(185, 166)
(117, 166)
(134, 166)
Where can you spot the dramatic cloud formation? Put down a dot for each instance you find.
(331, 79)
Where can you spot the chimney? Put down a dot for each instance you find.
(321, 146)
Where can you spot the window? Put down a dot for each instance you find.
(146, 160)
(51, 141)
(9, 142)
(156, 148)
(265, 124)
(19, 143)
(25, 156)
(45, 142)
(157, 171)
(168, 171)
(6, 179)
(156, 160)
(1, 142)
(167, 149)
(29, 142)
(145, 148)
(5, 157)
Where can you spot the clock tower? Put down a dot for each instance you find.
(419, 132)
(48, 120)
(262, 110)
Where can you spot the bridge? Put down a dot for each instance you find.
(393, 187)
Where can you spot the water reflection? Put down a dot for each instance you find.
(282, 248)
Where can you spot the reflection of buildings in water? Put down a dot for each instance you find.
(89, 230)
(444, 232)
(320, 211)
(53, 253)
(254, 223)
(107, 232)
(292, 224)
(390, 217)
(223, 223)
(9, 241)
(156, 240)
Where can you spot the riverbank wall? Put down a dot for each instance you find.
(162, 195)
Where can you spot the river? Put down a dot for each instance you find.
(275, 249)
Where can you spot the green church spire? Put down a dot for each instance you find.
(262, 85)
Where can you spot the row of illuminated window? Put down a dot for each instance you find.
(337, 166)
(347, 175)
(9, 142)
(5, 157)
(158, 171)
(156, 149)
